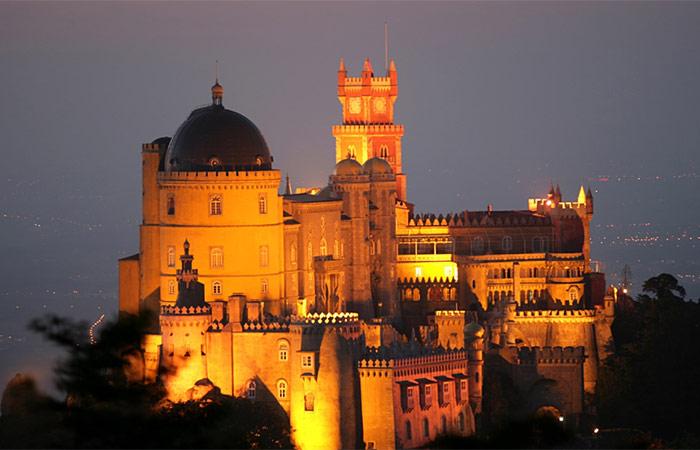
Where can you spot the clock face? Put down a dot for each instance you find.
(379, 105)
(355, 104)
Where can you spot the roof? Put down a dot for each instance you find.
(308, 198)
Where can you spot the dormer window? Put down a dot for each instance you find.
(215, 163)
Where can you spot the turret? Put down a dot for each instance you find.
(394, 92)
(557, 195)
(342, 74)
(474, 340)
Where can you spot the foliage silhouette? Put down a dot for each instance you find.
(103, 409)
(650, 382)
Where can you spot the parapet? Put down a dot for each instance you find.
(326, 318)
(367, 129)
(167, 310)
(558, 315)
(551, 355)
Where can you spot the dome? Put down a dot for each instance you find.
(474, 330)
(348, 167)
(377, 165)
(215, 138)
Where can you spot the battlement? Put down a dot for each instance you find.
(281, 324)
(560, 315)
(221, 175)
(546, 205)
(367, 129)
(326, 318)
(449, 314)
(376, 81)
(167, 310)
(551, 355)
(427, 280)
(150, 148)
(478, 219)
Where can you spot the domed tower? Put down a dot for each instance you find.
(351, 183)
(382, 235)
(474, 337)
(183, 327)
(214, 185)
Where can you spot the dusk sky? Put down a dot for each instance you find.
(498, 101)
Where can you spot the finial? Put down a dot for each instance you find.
(288, 187)
(342, 66)
(217, 91)
(367, 67)
(386, 47)
(392, 66)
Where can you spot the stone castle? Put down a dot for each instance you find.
(366, 324)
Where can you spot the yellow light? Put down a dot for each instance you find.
(549, 202)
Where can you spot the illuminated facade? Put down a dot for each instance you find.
(297, 298)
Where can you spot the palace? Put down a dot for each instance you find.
(366, 324)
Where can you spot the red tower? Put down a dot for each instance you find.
(368, 128)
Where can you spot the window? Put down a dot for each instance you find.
(264, 259)
(384, 151)
(419, 272)
(335, 249)
(324, 247)
(215, 205)
(216, 259)
(372, 247)
(448, 272)
(307, 361)
(408, 431)
(426, 427)
(262, 204)
(264, 286)
(281, 389)
(309, 255)
(293, 254)
(379, 246)
(309, 401)
(478, 244)
(409, 398)
(507, 244)
(352, 153)
(171, 256)
(283, 351)
(573, 294)
(251, 390)
(171, 204)
(216, 288)
(171, 287)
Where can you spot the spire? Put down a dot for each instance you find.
(558, 193)
(367, 67)
(392, 66)
(582, 195)
(217, 92)
(342, 66)
(288, 187)
(551, 191)
(588, 194)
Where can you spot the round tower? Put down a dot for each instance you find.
(474, 337)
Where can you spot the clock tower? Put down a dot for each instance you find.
(368, 128)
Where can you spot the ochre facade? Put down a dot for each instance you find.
(313, 301)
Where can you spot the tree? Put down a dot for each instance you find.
(650, 382)
(103, 409)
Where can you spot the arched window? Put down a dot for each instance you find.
(352, 153)
(283, 350)
(215, 205)
(409, 434)
(372, 247)
(262, 204)
(251, 389)
(281, 389)
(263, 286)
(309, 401)
(384, 151)
(309, 255)
(573, 294)
(264, 256)
(426, 427)
(171, 204)
(529, 296)
(171, 287)
(478, 244)
(379, 246)
(293, 254)
(171, 256)
(216, 258)
(216, 288)
(507, 244)
(324, 247)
